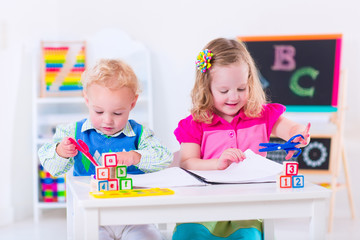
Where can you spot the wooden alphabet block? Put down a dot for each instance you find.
(112, 171)
(291, 168)
(113, 184)
(99, 185)
(103, 185)
(298, 181)
(102, 173)
(284, 181)
(109, 159)
(121, 171)
(125, 183)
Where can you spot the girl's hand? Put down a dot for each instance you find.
(66, 149)
(128, 158)
(303, 142)
(229, 156)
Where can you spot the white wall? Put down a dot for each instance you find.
(174, 32)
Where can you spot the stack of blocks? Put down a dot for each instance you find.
(290, 179)
(52, 188)
(110, 176)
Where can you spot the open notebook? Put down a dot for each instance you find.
(254, 169)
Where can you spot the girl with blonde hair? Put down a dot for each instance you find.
(229, 115)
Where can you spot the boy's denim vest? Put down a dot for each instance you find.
(104, 144)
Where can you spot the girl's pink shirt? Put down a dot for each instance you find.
(242, 133)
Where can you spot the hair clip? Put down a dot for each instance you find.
(203, 60)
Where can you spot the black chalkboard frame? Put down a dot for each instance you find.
(328, 49)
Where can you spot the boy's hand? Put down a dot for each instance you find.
(128, 158)
(66, 149)
(229, 156)
(303, 142)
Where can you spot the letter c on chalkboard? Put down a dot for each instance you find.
(294, 81)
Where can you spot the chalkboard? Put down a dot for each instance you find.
(314, 157)
(301, 72)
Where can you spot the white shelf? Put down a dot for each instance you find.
(51, 111)
(61, 117)
(59, 100)
(72, 100)
(51, 205)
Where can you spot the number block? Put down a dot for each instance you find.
(125, 183)
(291, 168)
(298, 181)
(109, 159)
(121, 171)
(102, 173)
(284, 181)
(113, 184)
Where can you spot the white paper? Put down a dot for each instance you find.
(169, 177)
(255, 168)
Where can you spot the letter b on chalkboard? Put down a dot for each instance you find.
(284, 58)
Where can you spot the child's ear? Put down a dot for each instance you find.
(86, 98)
(134, 101)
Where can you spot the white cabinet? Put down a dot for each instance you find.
(47, 113)
(51, 111)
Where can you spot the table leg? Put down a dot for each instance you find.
(70, 215)
(318, 220)
(91, 217)
(268, 229)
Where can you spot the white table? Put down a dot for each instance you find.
(194, 204)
